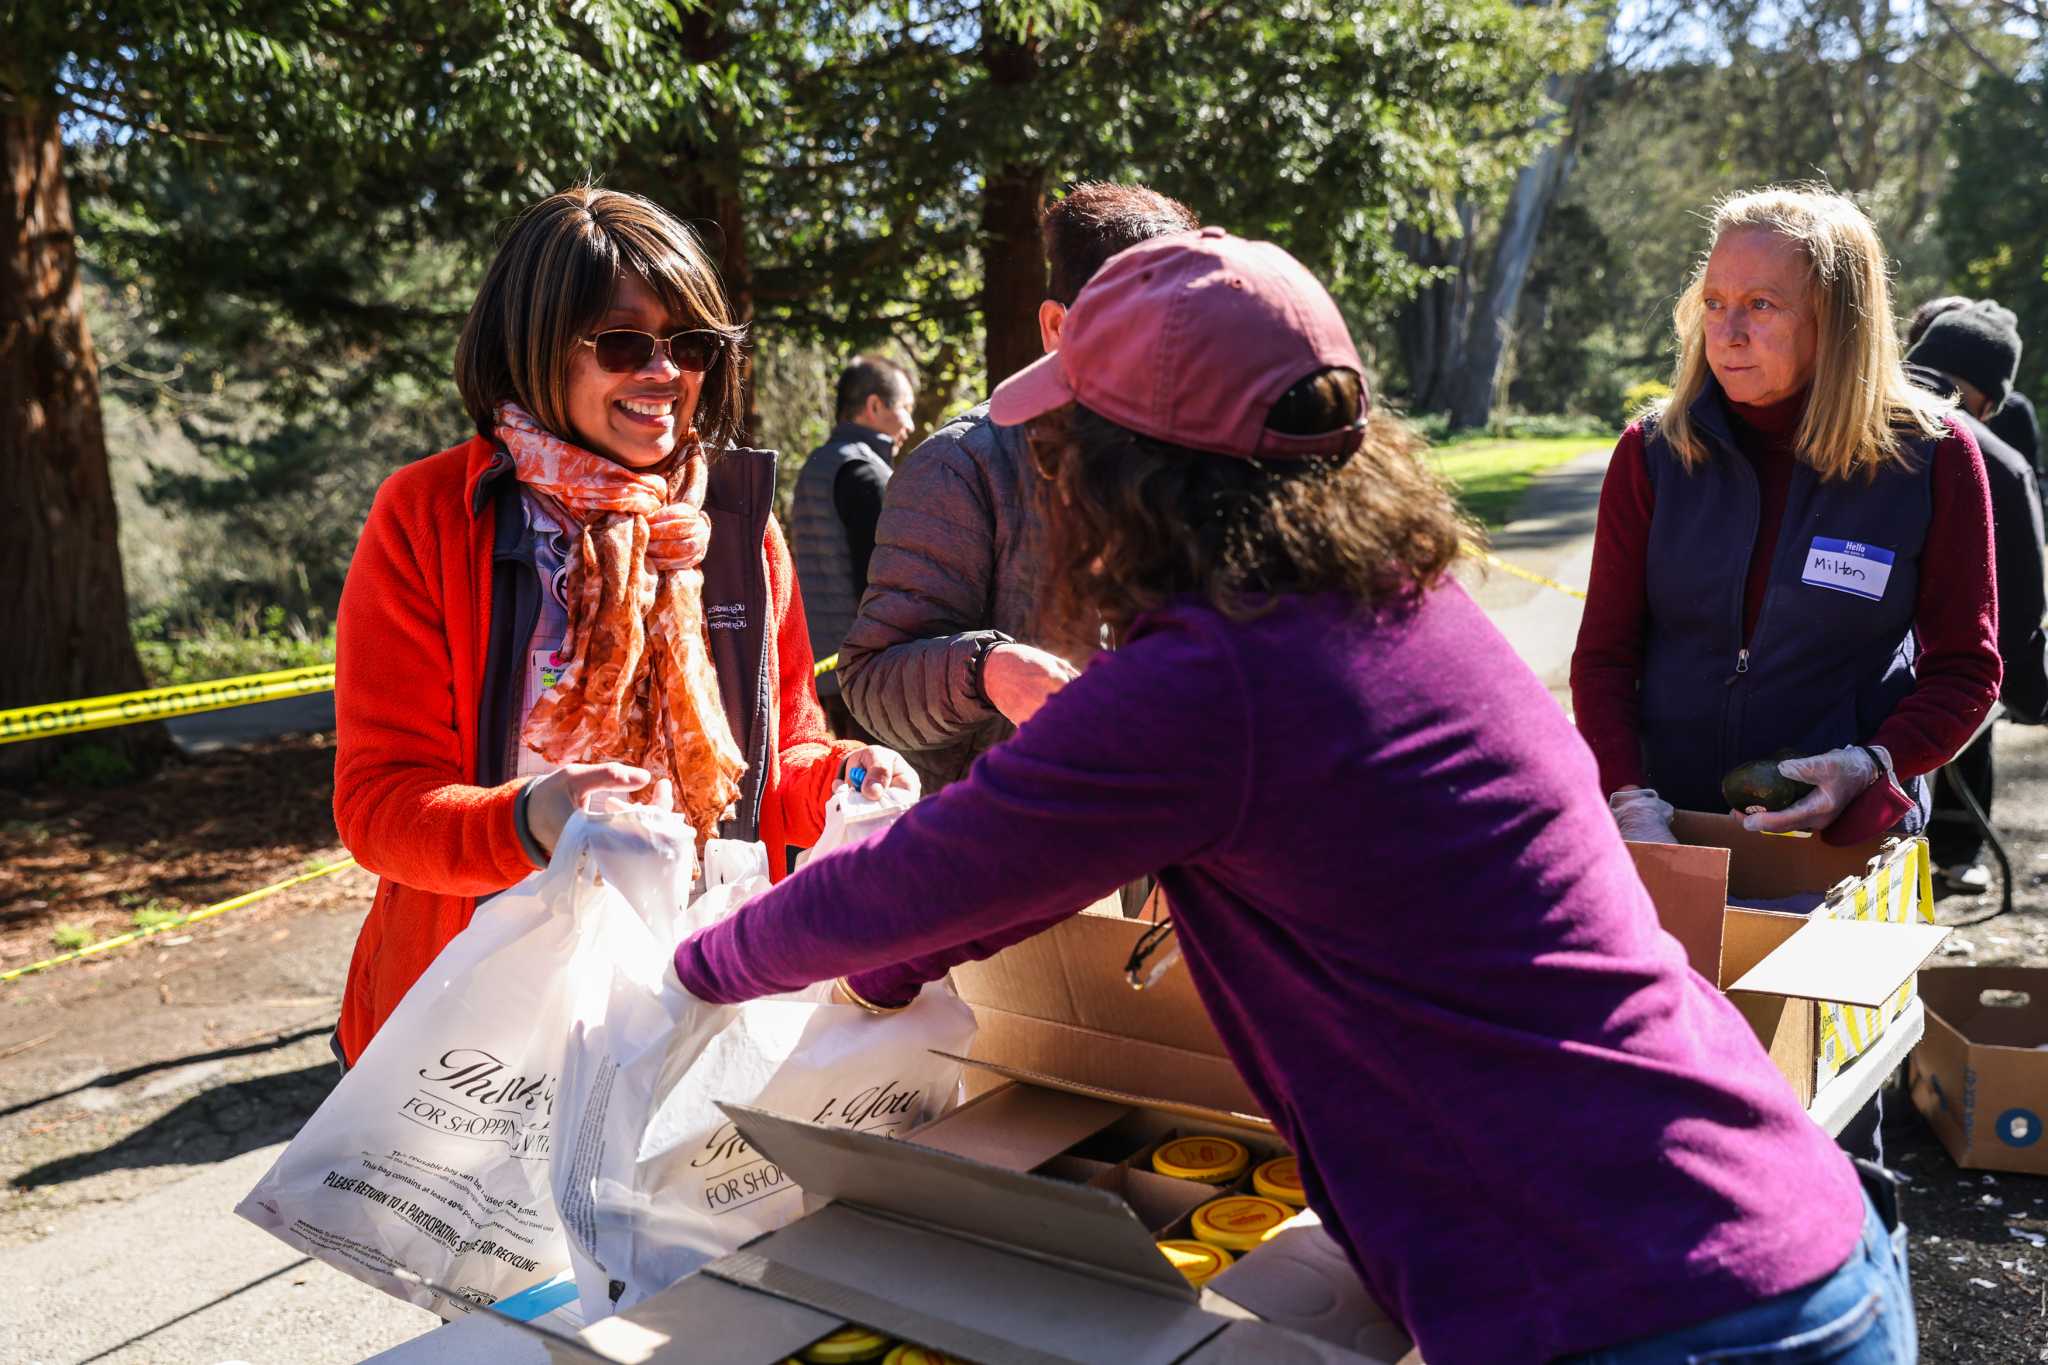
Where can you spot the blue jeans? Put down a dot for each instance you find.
(1860, 1315)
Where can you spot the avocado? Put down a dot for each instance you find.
(1759, 783)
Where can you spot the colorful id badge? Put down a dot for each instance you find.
(1848, 566)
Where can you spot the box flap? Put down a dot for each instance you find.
(1300, 1279)
(986, 1303)
(669, 1327)
(1850, 962)
(1247, 1342)
(1991, 1006)
(1773, 866)
(1129, 1099)
(1109, 1062)
(1689, 887)
(1073, 973)
(1018, 1127)
(1027, 1213)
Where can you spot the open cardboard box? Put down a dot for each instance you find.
(1818, 988)
(1980, 1075)
(995, 1266)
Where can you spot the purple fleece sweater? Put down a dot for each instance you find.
(1406, 908)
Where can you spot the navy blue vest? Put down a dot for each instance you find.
(1824, 667)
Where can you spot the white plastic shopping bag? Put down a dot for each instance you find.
(430, 1161)
(651, 1178)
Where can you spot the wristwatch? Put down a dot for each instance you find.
(978, 660)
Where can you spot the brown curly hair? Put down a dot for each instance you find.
(1133, 522)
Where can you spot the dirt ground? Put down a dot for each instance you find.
(122, 1072)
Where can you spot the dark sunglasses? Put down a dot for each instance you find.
(625, 351)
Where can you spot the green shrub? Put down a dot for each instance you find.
(156, 915)
(1642, 394)
(252, 640)
(69, 938)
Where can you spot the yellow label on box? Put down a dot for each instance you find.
(1899, 891)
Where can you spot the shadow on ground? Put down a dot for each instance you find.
(213, 1125)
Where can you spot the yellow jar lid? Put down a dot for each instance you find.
(1281, 1179)
(907, 1354)
(1215, 1160)
(1239, 1222)
(849, 1343)
(1199, 1261)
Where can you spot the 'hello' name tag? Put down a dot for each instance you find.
(1848, 566)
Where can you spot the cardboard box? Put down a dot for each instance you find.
(1818, 988)
(995, 1266)
(1980, 1075)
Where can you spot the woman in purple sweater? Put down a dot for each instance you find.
(1395, 882)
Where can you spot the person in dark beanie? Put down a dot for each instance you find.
(838, 500)
(948, 652)
(1985, 331)
(1970, 354)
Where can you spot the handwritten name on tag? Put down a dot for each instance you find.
(1848, 566)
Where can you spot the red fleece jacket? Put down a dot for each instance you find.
(413, 634)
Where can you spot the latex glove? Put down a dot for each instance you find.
(1017, 679)
(1838, 776)
(1642, 816)
(553, 798)
(882, 768)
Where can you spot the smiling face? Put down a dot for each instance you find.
(634, 419)
(1758, 311)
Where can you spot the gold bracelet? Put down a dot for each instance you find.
(870, 1006)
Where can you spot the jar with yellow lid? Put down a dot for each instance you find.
(1281, 1179)
(907, 1354)
(1239, 1222)
(850, 1343)
(1211, 1160)
(1199, 1261)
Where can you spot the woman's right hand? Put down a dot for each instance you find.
(557, 795)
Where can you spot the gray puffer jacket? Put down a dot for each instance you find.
(958, 556)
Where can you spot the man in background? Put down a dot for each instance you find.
(940, 663)
(837, 503)
(2013, 421)
(1970, 354)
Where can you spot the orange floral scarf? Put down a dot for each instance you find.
(639, 686)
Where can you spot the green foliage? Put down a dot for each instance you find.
(201, 648)
(69, 938)
(1643, 394)
(92, 763)
(156, 914)
(1995, 213)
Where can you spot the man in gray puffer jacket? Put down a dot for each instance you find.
(937, 663)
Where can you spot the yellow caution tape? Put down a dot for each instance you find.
(1518, 571)
(127, 708)
(220, 908)
(825, 665)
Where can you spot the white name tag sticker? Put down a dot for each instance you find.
(1848, 566)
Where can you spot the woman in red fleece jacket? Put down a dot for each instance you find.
(589, 596)
(1795, 554)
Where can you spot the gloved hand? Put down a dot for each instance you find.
(1838, 776)
(1642, 816)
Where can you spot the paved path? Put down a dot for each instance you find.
(210, 730)
(1552, 534)
(175, 1276)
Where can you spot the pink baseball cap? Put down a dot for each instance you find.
(1191, 338)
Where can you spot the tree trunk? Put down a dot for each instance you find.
(1431, 326)
(60, 556)
(1012, 257)
(1469, 395)
(699, 182)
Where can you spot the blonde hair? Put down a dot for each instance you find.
(1861, 410)
(550, 283)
